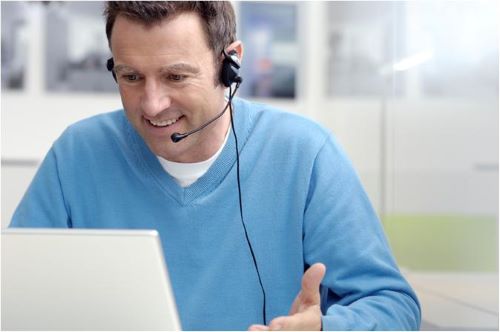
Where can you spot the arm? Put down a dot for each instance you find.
(43, 204)
(358, 286)
(362, 288)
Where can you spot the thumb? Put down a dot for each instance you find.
(310, 284)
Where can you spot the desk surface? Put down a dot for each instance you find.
(456, 301)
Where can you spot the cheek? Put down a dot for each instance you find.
(203, 93)
(129, 101)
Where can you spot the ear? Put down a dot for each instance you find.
(236, 46)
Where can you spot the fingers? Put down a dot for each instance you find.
(309, 294)
(281, 323)
(309, 320)
(257, 327)
(305, 313)
(310, 284)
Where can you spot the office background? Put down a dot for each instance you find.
(410, 89)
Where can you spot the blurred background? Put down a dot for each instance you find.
(410, 89)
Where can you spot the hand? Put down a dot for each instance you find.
(305, 313)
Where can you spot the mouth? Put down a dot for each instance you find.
(163, 123)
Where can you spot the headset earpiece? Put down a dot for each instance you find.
(110, 64)
(230, 69)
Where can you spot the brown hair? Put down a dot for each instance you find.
(218, 16)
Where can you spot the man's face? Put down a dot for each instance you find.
(166, 76)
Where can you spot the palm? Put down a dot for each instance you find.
(305, 313)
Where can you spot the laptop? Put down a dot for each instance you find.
(82, 279)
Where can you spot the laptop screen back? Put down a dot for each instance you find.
(54, 279)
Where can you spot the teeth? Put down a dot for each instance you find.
(163, 123)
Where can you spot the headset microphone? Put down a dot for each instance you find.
(228, 76)
(177, 137)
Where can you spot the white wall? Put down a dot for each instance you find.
(441, 155)
(15, 179)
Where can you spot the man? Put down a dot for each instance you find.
(244, 233)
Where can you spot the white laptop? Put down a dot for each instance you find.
(75, 279)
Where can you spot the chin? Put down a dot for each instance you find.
(158, 148)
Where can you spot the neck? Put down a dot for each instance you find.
(211, 141)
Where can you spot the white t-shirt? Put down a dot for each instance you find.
(186, 174)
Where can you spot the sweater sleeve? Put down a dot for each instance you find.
(43, 203)
(363, 288)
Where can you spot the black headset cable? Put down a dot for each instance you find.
(231, 95)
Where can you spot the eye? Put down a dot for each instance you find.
(130, 77)
(176, 77)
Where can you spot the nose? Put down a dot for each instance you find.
(155, 98)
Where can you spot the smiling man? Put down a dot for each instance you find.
(263, 221)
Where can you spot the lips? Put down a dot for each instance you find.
(163, 123)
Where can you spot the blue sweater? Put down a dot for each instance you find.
(302, 203)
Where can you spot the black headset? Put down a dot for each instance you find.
(229, 73)
(110, 65)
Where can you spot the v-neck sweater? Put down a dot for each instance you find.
(302, 203)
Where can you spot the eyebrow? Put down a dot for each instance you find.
(177, 67)
(123, 68)
(181, 67)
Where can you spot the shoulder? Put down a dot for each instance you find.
(94, 132)
(111, 121)
(282, 127)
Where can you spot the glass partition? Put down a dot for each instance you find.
(14, 44)
(76, 48)
(269, 31)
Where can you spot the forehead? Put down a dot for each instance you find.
(182, 34)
